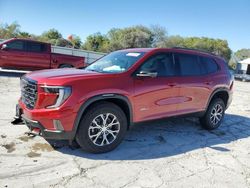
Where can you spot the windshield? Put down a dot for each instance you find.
(115, 62)
(2, 41)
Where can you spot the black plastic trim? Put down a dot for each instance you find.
(103, 96)
(31, 124)
(219, 90)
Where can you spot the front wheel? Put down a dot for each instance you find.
(214, 115)
(102, 128)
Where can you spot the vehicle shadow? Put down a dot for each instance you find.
(171, 137)
(11, 73)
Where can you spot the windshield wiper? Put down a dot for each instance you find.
(92, 70)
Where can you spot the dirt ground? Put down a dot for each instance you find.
(167, 153)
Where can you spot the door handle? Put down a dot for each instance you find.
(54, 61)
(208, 82)
(172, 84)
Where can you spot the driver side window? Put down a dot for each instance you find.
(161, 63)
(16, 45)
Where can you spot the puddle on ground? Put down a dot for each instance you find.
(25, 138)
(39, 147)
(33, 154)
(42, 147)
(10, 147)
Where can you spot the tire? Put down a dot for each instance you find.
(65, 66)
(209, 121)
(94, 135)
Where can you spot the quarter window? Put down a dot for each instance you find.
(209, 64)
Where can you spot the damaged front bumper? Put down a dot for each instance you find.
(48, 134)
(37, 127)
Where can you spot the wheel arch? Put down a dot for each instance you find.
(120, 100)
(222, 93)
(61, 65)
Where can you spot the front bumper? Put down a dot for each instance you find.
(50, 123)
(48, 134)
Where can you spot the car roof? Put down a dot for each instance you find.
(137, 49)
(174, 49)
(26, 39)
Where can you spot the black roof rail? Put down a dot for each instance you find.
(194, 49)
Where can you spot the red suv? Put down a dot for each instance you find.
(96, 106)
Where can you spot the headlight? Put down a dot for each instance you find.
(62, 92)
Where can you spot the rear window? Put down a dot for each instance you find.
(36, 47)
(209, 65)
(187, 65)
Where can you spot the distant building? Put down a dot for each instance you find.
(243, 67)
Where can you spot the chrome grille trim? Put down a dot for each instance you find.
(28, 92)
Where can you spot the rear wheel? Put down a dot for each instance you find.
(214, 114)
(65, 66)
(102, 128)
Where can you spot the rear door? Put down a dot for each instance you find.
(14, 55)
(37, 55)
(193, 82)
(156, 97)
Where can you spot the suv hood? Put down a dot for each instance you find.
(60, 74)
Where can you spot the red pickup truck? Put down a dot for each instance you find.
(25, 54)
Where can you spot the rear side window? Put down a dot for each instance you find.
(161, 63)
(188, 65)
(16, 45)
(209, 65)
(36, 47)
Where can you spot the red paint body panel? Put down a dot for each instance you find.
(150, 98)
(26, 60)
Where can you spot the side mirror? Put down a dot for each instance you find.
(146, 74)
(4, 47)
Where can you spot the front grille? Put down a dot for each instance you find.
(28, 92)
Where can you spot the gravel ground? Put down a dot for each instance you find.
(166, 153)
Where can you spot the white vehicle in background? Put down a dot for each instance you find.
(242, 71)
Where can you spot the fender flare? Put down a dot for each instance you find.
(96, 98)
(214, 93)
(65, 63)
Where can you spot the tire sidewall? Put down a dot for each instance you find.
(209, 124)
(65, 66)
(82, 133)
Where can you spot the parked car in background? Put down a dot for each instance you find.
(24, 54)
(242, 71)
(97, 105)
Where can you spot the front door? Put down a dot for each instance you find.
(156, 97)
(13, 56)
